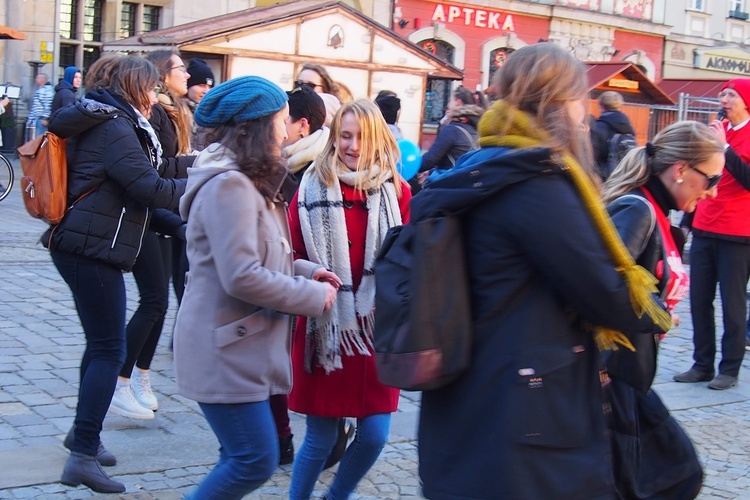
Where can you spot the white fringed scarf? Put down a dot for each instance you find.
(348, 326)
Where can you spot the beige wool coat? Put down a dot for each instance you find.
(232, 335)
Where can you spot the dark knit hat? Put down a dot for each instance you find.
(304, 102)
(200, 73)
(741, 86)
(389, 106)
(239, 100)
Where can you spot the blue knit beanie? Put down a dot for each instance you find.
(239, 100)
(70, 74)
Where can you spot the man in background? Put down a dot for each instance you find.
(41, 106)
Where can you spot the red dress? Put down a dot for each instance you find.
(354, 390)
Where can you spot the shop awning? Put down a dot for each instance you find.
(627, 79)
(7, 33)
(694, 88)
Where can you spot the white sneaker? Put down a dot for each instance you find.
(124, 404)
(141, 385)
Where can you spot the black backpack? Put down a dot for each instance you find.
(619, 145)
(423, 328)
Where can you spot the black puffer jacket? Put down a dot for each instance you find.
(111, 159)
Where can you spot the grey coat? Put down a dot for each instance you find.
(233, 332)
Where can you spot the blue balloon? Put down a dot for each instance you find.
(411, 159)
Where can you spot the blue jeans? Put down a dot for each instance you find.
(99, 296)
(40, 128)
(248, 453)
(360, 455)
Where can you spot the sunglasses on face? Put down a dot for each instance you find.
(713, 180)
(300, 83)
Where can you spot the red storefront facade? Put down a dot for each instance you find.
(478, 37)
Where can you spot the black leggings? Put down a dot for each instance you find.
(151, 273)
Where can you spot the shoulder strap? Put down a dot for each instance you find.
(652, 217)
(471, 141)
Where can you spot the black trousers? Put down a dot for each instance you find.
(727, 263)
(151, 272)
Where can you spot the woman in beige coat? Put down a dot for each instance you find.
(232, 337)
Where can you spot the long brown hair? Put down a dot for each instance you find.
(132, 78)
(254, 143)
(173, 104)
(541, 79)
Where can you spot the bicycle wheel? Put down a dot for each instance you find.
(6, 177)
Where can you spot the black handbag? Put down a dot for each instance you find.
(423, 328)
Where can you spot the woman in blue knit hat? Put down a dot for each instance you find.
(65, 91)
(231, 342)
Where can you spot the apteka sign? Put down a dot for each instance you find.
(468, 16)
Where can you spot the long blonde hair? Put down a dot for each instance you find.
(173, 104)
(688, 141)
(377, 147)
(541, 79)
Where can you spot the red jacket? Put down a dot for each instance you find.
(354, 390)
(728, 213)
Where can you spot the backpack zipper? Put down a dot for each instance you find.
(117, 232)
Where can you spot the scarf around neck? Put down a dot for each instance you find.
(347, 327)
(305, 150)
(524, 133)
(146, 125)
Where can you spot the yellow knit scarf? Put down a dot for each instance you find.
(522, 132)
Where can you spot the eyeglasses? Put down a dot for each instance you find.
(713, 180)
(300, 83)
(181, 67)
(729, 94)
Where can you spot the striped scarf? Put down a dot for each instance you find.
(348, 326)
(524, 133)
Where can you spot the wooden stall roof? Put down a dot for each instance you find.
(695, 88)
(237, 23)
(601, 72)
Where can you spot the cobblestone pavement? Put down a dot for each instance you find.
(40, 349)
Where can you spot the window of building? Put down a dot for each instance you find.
(67, 55)
(438, 91)
(92, 21)
(497, 59)
(699, 5)
(696, 26)
(68, 18)
(736, 33)
(127, 20)
(90, 55)
(151, 16)
(737, 5)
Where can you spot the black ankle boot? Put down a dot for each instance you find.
(286, 450)
(84, 469)
(104, 456)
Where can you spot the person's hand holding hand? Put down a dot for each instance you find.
(330, 296)
(326, 276)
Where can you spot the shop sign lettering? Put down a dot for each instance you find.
(729, 64)
(479, 18)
